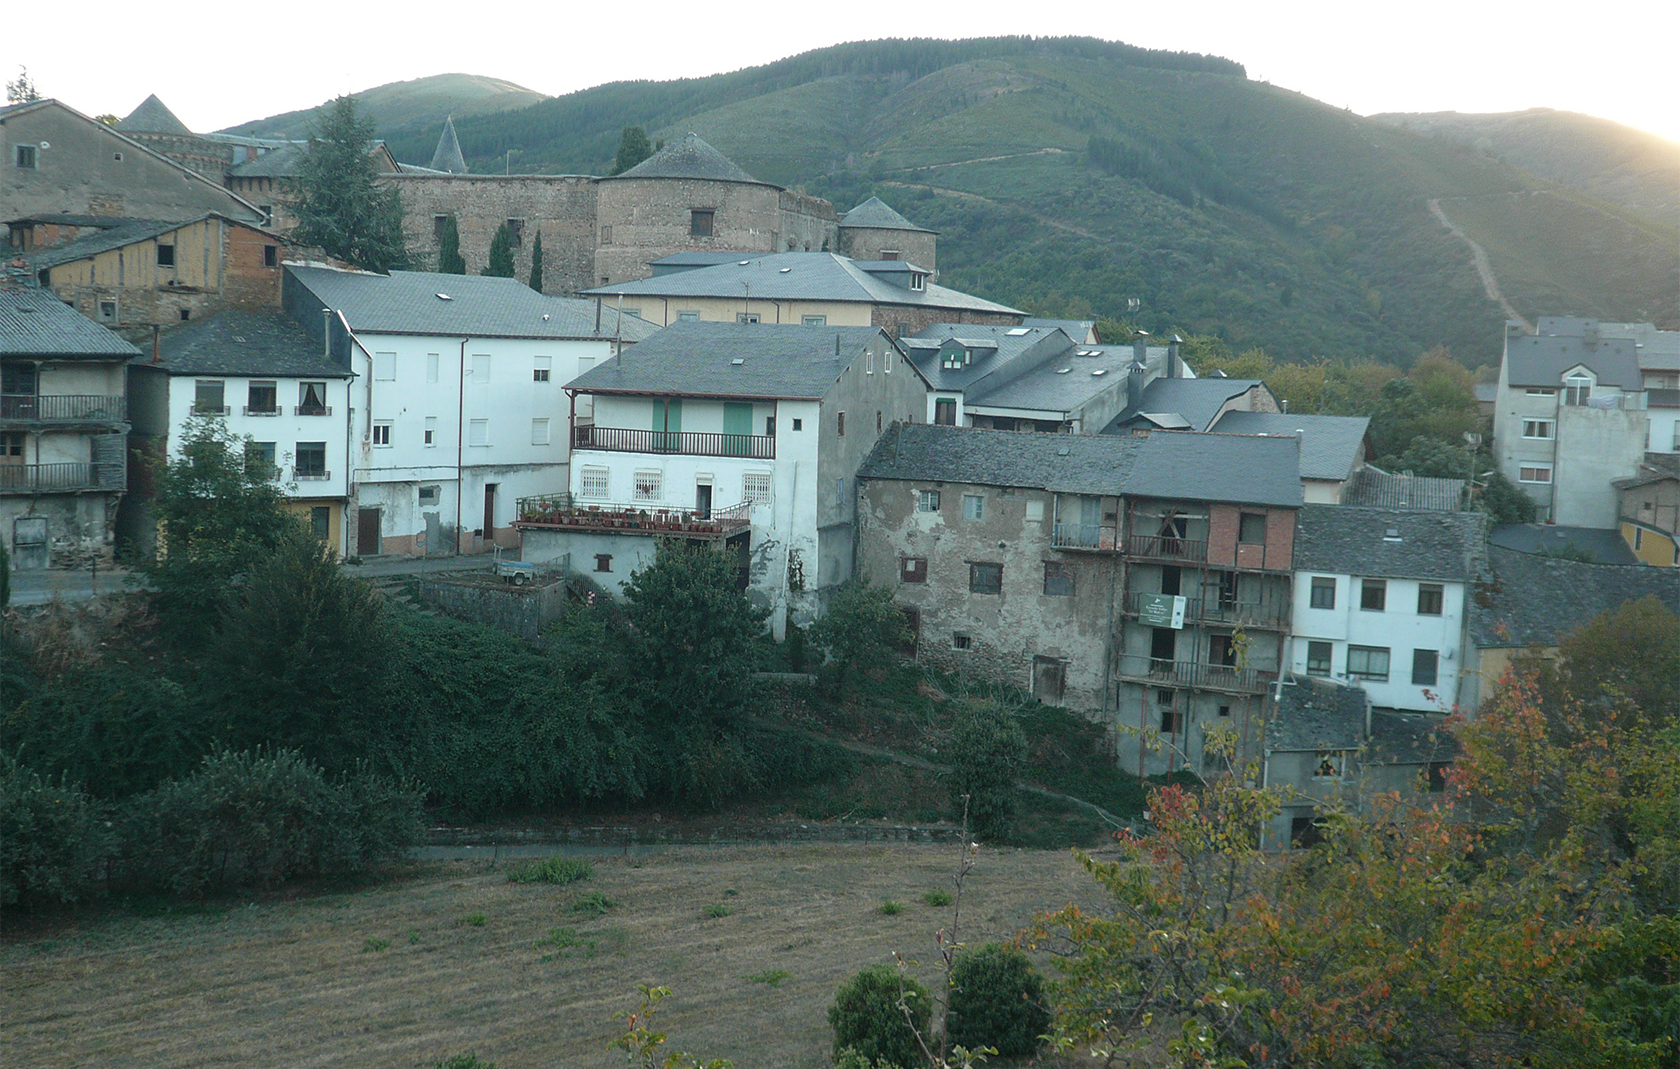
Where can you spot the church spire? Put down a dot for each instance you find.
(448, 155)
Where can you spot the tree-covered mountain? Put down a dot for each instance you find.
(1073, 176)
(420, 102)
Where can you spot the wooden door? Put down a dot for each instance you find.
(367, 532)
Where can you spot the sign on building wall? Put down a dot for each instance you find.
(1162, 610)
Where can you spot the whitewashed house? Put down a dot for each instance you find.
(457, 408)
(1381, 599)
(747, 435)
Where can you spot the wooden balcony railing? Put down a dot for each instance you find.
(1195, 675)
(686, 443)
(1083, 536)
(64, 408)
(1166, 547)
(1266, 613)
(39, 478)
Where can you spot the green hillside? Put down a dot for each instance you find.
(416, 103)
(1075, 176)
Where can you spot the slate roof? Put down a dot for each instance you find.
(285, 162)
(1346, 540)
(1604, 546)
(1657, 350)
(153, 117)
(1656, 468)
(1317, 714)
(1329, 444)
(798, 276)
(689, 157)
(68, 219)
(407, 302)
(1373, 487)
(1542, 360)
(1399, 738)
(1197, 401)
(700, 359)
(1077, 329)
(1061, 384)
(875, 214)
(1535, 600)
(1171, 466)
(243, 343)
(996, 348)
(448, 155)
(684, 261)
(36, 323)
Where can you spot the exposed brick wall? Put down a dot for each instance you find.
(1280, 539)
(1222, 535)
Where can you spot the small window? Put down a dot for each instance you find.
(543, 365)
(889, 254)
(1426, 667)
(271, 256)
(385, 367)
(769, 426)
(961, 641)
(539, 431)
(1222, 651)
(755, 487)
(186, 314)
(1430, 597)
(878, 418)
(481, 368)
(1035, 510)
(382, 433)
(700, 221)
(603, 562)
(312, 399)
(814, 321)
(1251, 529)
(1224, 712)
(207, 398)
(116, 157)
(1323, 592)
(431, 367)
(840, 424)
(431, 430)
(985, 578)
(478, 432)
(1543, 429)
(798, 424)
(1535, 473)
(1318, 658)
(1438, 776)
(593, 483)
(1368, 663)
(107, 311)
(606, 239)
(25, 156)
(746, 317)
(1373, 595)
(1541, 391)
(918, 282)
(927, 501)
(428, 495)
(688, 317)
(1329, 764)
(1170, 723)
(165, 255)
(945, 411)
(869, 362)
(912, 569)
(974, 507)
(267, 211)
(263, 455)
(648, 486)
(1058, 579)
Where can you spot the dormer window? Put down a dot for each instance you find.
(918, 282)
(1577, 390)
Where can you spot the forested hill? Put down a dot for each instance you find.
(1074, 176)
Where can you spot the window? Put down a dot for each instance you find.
(1225, 712)
(1437, 776)
(1368, 662)
(312, 399)
(887, 361)
(927, 501)
(1535, 473)
(267, 214)
(814, 321)
(207, 398)
(960, 641)
(593, 483)
(107, 311)
(429, 495)
(1318, 658)
(541, 367)
(603, 562)
(1426, 667)
(271, 256)
(382, 433)
(985, 578)
(606, 239)
(1539, 428)
(648, 486)
(746, 317)
(1222, 651)
(516, 230)
(877, 421)
(1251, 528)
(186, 314)
(440, 223)
(1329, 764)
(912, 569)
(431, 430)
(478, 432)
(1035, 510)
(311, 460)
(262, 399)
(974, 507)
(700, 222)
(1541, 391)
(539, 431)
(1169, 712)
(840, 424)
(431, 367)
(1373, 594)
(1577, 390)
(769, 426)
(755, 487)
(165, 255)
(945, 411)
(385, 367)
(481, 368)
(1430, 597)
(1058, 579)
(320, 521)
(116, 157)
(798, 424)
(1323, 592)
(918, 282)
(263, 455)
(688, 317)
(25, 156)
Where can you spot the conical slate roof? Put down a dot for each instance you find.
(689, 157)
(448, 155)
(153, 117)
(876, 215)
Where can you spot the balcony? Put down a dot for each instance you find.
(1195, 675)
(313, 410)
(310, 476)
(48, 478)
(63, 408)
(1269, 613)
(1083, 536)
(272, 410)
(561, 512)
(1167, 548)
(684, 443)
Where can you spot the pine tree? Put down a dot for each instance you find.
(22, 90)
(633, 148)
(339, 203)
(449, 249)
(501, 253)
(536, 263)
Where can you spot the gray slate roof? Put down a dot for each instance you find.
(1542, 360)
(448, 156)
(407, 302)
(1197, 401)
(1656, 468)
(1374, 488)
(699, 360)
(1317, 714)
(1604, 546)
(1409, 738)
(36, 323)
(153, 117)
(1329, 444)
(875, 214)
(244, 343)
(1213, 467)
(1536, 601)
(798, 276)
(1345, 540)
(1077, 329)
(1060, 384)
(689, 157)
(996, 348)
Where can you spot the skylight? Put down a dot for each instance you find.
(1018, 331)
(444, 297)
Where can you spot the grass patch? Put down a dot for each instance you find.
(374, 945)
(474, 920)
(592, 904)
(718, 910)
(937, 898)
(554, 870)
(889, 908)
(773, 977)
(562, 942)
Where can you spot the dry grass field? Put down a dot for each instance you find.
(456, 958)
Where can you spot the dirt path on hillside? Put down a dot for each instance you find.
(963, 195)
(1484, 268)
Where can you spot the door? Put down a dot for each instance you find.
(320, 522)
(490, 511)
(1163, 643)
(434, 536)
(703, 500)
(29, 543)
(18, 386)
(667, 416)
(367, 532)
(737, 424)
(1049, 679)
(1171, 578)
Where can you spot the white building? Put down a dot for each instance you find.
(268, 380)
(748, 435)
(1381, 599)
(457, 408)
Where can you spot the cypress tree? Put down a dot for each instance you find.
(449, 250)
(536, 263)
(339, 201)
(501, 253)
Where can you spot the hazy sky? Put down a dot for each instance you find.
(217, 64)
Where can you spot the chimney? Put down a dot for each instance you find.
(326, 333)
(597, 315)
(1174, 368)
(157, 346)
(1285, 403)
(1140, 346)
(1134, 385)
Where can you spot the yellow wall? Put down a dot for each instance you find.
(1655, 547)
(663, 311)
(335, 526)
(198, 262)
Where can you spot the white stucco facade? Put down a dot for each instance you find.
(1400, 628)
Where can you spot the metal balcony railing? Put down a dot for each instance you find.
(313, 410)
(1166, 547)
(1195, 675)
(272, 410)
(687, 443)
(310, 476)
(1266, 613)
(38, 478)
(64, 408)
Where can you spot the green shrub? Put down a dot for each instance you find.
(851, 1059)
(866, 1016)
(772, 977)
(556, 870)
(373, 945)
(54, 840)
(937, 898)
(996, 1001)
(890, 908)
(592, 904)
(717, 911)
(862, 627)
(984, 752)
(465, 1061)
(474, 920)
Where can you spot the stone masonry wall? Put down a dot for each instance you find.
(867, 243)
(562, 207)
(901, 319)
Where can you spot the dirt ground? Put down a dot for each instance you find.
(313, 982)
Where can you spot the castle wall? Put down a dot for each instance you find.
(919, 247)
(561, 207)
(643, 219)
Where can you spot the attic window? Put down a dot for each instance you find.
(1063, 370)
(785, 270)
(918, 282)
(1391, 535)
(737, 362)
(165, 255)
(1100, 371)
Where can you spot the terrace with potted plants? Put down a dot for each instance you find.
(564, 512)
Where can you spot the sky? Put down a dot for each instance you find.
(217, 64)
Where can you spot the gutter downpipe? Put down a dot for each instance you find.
(349, 422)
(460, 426)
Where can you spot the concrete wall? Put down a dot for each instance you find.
(80, 526)
(561, 207)
(1595, 448)
(524, 611)
(1656, 504)
(879, 389)
(627, 552)
(667, 310)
